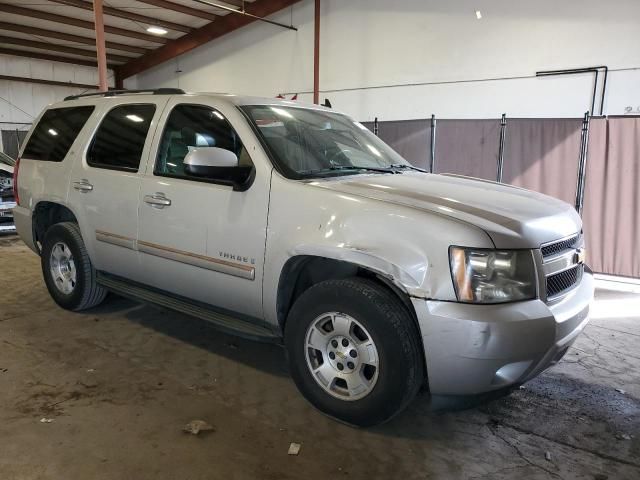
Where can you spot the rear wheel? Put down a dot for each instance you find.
(354, 351)
(67, 268)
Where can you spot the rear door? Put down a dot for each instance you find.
(105, 183)
(48, 156)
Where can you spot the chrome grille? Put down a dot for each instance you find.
(558, 247)
(563, 281)
(562, 265)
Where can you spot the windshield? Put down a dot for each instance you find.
(309, 143)
(7, 160)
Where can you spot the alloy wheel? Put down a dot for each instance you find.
(342, 356)
(63, 268)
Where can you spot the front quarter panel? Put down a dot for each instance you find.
(407, 246)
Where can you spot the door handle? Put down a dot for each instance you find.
(83, 185)
(157, 200)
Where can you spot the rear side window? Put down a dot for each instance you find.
(119, 141)
(55, 133)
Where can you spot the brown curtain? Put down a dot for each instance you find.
(612, 200)
(410, 138)
(467, 147)
(542, 155)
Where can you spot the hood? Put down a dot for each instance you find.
(513, 217)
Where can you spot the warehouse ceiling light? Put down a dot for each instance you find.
(478, 14)
(157, 30)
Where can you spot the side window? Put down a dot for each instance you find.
(120, 138)
(55, 133)
(191, 126)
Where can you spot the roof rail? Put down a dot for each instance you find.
(113, 93)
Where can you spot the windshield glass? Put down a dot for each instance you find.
(7, 160)
(309, 143)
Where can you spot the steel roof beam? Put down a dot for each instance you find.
(48, 57)
(201, 36)
(134, 17)
(41, 32)
(178, 7)
(76, 22)
(59, 48)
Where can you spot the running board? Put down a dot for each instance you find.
(225, 322)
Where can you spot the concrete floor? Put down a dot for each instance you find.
(120, 381)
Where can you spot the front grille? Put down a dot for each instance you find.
(563, 281)
(552, 249)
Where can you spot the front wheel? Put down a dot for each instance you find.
(354, 351)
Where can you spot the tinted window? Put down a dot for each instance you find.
(120, 139)
(55, 133)
(191, 126)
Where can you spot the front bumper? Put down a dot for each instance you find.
(471, 349)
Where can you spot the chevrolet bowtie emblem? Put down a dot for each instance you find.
(580, 256)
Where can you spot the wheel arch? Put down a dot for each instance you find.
(46, 214)
(301, 272)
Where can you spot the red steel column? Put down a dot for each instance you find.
(316, 55)
(101, 50)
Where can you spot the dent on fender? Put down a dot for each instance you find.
(408, 281)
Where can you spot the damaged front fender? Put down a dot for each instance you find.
(408, 280)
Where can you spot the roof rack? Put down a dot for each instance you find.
(113, 93)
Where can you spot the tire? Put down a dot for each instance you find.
(372, 314)
(74, 286)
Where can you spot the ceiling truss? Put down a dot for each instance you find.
(63, 30)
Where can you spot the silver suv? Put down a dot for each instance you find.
(293, 223)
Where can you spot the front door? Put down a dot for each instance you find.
(105, 184)
(198, 238)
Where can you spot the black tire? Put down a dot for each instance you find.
(391, 327)
(86, 293)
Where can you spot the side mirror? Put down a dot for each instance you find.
(207, 161)
(217, 165)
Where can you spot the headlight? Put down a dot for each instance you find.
(492, 276)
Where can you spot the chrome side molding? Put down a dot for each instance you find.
(114, 239)
(201, 261)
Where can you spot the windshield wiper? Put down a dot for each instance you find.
(350, 167)
(407, 166)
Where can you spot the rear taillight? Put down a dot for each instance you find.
(15, 182)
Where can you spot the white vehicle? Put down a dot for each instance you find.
(293, 223)
(7, 202)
